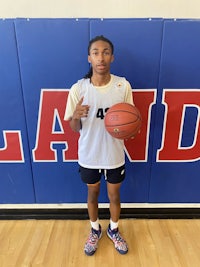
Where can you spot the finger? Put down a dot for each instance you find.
(80, 101)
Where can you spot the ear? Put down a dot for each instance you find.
(112, 59)
(89, 60)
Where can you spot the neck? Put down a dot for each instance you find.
(100, 80)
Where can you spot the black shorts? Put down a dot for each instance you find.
(93, 176)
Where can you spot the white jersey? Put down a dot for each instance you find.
(97, 149)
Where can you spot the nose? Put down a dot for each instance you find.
(101, 57)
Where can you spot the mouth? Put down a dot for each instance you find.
(101, 66)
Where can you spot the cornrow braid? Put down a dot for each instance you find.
(89, 74)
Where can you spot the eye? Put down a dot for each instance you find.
(95, 53)
(107, 53)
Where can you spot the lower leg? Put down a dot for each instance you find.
(115, 210)
(92, 202)
(115, 206)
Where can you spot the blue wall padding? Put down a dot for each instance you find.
(42, 58)
(16, 180)
(180, 68)
(52, 54)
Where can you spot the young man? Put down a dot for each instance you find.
(99, 153)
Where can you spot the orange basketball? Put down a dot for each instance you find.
(123, 120)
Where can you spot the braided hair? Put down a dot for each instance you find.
(95, 39)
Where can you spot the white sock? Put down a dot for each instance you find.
(113, 225)
(95, 225)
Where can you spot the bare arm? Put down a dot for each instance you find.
(81, 111)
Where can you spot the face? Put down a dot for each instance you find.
(100, 57)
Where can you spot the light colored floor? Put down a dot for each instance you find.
(59, 243)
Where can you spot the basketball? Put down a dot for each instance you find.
(123, 121)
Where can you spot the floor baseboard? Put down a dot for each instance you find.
(82, 214)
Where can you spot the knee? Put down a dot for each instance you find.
(114, 198)
(93, 196)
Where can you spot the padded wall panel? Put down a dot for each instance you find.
(16, 184)
(137, 45)
(177, 179)
(52, 55)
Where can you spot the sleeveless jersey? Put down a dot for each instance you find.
(97, 149)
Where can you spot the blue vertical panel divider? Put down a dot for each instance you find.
(52, 56)
(137, 52)
(16, 183)
(177, 180)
